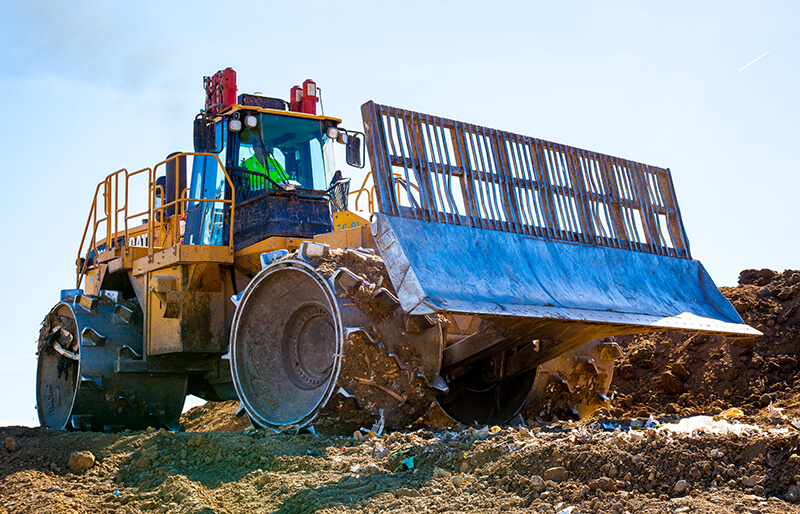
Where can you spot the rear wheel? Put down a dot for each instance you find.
(77, 383)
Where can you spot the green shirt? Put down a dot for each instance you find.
(274, 170)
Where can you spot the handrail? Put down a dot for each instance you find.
(398, 181)
(113, 187)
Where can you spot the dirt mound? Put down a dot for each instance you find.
(689, 373)
(215, 417)
(600, 465)
(544, 468)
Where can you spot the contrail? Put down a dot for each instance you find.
(757, 58)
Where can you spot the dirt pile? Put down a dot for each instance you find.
(677, 373)
(612, 463)
(546, 468)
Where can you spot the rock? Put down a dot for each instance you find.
(196, 440)
(11, 444)
(643, 356)
(612, 471)
(766, 274)
(603, 484)
(752, 481)
(792, 494)
(680, 370)
(80, 461)
(681, 487)
(457, 481)
(748, 276)
(142, 462)
(538, 484)
(557, 474)
(671, 382)
(442, 473)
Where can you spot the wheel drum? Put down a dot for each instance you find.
(302, 351)
(286, 346)
(88, 393)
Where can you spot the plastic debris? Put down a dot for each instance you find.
(567, 510)
(707, 425)
(775, 412)
(731, 413)
(354, 468)
(408, 463)
(651, 422)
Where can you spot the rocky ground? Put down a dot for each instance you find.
(632, 458)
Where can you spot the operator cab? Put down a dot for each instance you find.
(281, 169)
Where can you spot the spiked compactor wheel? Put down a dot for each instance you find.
(306, 349)
(77, 385)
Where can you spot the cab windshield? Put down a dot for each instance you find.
(287, 149)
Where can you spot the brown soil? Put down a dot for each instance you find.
(551, 467)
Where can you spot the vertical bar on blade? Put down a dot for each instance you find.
(467, 184)
(545, 190)
(656, 204)
(602, 201)
(414, 206)
(414, 136)
(684, 239)
(432, 172)
(537, 193)
(492, 181)
(486, 213)
(505, 181)
(526, 190)
(616, 199)
(375, 133)
(629, 203)
(590, 190)
(579, 187)
(439, 130)
(493, 215)
(566, 193)
(673, 222)
(443, 182)
(644, 206)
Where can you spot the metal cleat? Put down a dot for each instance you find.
(90, 337)
(238, 297)
(389, 300)
(270, 257)
(342, 391)
(610, 350)
(349, 331)
(92, 382)
(114, 296)
(400, 364)
(126, 351)
(87, 303)
(436, 382)
(310, 250)
(70, 294)
(81, 422)
(588, 364)
(123, 315)
(343, 280)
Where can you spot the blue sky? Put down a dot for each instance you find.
(98, 86)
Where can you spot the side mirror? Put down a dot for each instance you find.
(205, 139)
(354, 151)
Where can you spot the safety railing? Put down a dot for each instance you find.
(109, 226)
(464, 174)
(370, 191)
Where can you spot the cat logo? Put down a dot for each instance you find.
(140, 240)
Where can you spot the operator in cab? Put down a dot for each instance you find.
(262, 161)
